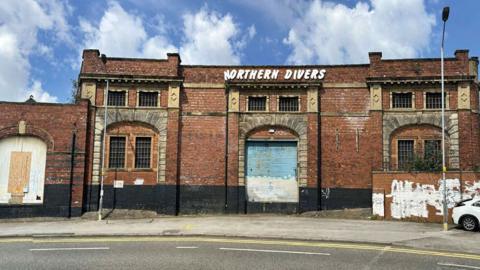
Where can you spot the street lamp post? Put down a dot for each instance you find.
(445, 13)
(102, 179)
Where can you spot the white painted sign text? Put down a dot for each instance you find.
(273, 74)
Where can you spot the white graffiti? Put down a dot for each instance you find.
(325, 193)
(471, 190)
(378, 204)
(411, 199)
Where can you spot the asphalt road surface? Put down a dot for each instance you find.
(217, 253)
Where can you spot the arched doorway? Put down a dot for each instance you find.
(22, 169)
(271, 167)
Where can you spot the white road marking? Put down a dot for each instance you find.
(72, 248)
(186, 247)
(275, 251)
(459, 265)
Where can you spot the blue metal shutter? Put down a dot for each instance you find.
(271, 171)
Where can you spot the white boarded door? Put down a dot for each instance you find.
(22, 169)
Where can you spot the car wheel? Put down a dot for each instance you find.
(469, 223)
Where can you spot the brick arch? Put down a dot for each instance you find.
(31, 131)
(280, 132)
(299, 126)
(393, 123)
(294, 122)
(135, 123)
(153, 118)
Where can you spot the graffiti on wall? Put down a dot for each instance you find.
(325, 193)
(471, 189)
(411, 199)
(378, 204)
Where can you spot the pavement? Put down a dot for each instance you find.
(292, 227)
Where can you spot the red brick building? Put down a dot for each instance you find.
(236, 139)
(42, 158)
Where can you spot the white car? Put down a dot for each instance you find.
(467, 214)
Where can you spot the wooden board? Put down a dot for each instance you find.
(19, 175)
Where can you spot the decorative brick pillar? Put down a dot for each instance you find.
(173, 120)
(309, 194)
(235, 192)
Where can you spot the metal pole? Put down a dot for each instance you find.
(444, 168)
(72, 168)
(100, 203)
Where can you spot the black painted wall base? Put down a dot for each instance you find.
(56, 203)
(212, 199)
(308, 200)
(159, 198)
(281, 208)
(191, 200)
(342, 198)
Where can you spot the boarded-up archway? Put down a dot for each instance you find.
(271, 171)
(22, 169)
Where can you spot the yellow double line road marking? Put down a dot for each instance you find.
(371, 247)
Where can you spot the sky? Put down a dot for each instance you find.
(41, 41)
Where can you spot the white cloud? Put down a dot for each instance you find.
(209, 39)
(20, 21)
(118, 32)
(157, 47)
(122, 34)
(247, 37)
(334, 33)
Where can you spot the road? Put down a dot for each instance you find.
(217, 253)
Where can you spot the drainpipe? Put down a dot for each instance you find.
(226, 150)
(319, 156)
(177, 170)
(72, 167)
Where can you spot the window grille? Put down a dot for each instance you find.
(148, 99)
(402, 100)
(117, 152)
(116, 98)
(433, 151)
(258, 104)
(405, 154)
(434, 100)
(288, 104)
(142, 152)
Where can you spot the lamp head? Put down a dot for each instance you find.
(446, 11)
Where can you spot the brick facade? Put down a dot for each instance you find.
(346, 127)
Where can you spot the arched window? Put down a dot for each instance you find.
(132, 152)
(417, 147)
